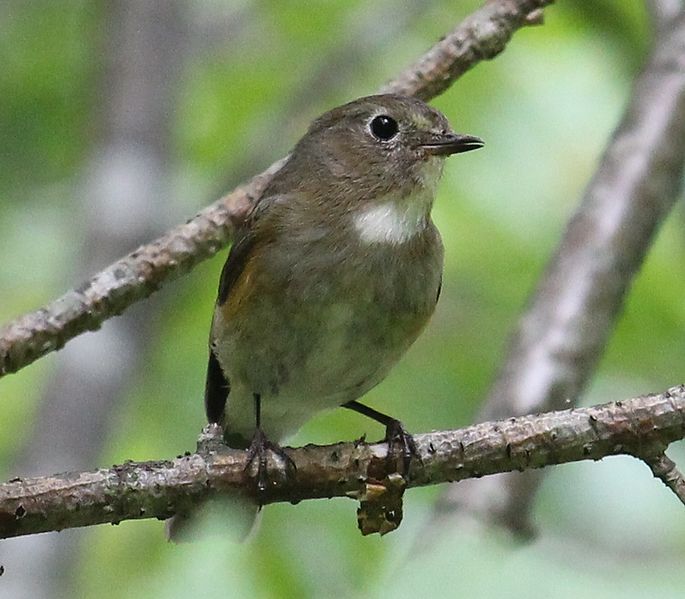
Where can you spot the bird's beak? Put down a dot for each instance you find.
(452, 143)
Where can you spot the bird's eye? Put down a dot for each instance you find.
(384, 127)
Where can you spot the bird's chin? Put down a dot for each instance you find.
(430, 170)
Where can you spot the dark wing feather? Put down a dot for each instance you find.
(217, 389)
(235, 263)
(217, 386)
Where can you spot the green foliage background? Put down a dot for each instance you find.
(545, 108)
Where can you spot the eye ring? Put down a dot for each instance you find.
(383, 127)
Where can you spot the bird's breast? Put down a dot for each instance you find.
(323, 324)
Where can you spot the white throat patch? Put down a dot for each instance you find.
(391, 222)
(396, 220)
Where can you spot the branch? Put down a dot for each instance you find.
(665, 469)
(564, 331)
(641, 427)
(481, 36)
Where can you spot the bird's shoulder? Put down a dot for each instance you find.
(251, 233)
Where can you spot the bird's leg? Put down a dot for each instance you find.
(400, 443)
(258, 451)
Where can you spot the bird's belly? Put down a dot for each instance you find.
(304, 357)
(322, 326)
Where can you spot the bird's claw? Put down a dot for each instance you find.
(401, 446)
(258, 451)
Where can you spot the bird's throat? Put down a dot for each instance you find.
(395, 219)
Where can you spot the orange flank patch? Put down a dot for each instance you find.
(240, 293)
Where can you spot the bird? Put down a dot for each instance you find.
(332, 276)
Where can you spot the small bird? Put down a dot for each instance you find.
(333, 275)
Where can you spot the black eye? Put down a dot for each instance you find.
(384, 127)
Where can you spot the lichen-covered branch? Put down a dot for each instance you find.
(481, 36)
(569, 319)
(642, 427)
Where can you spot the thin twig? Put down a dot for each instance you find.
(160, 489)
(481, 36)
(664, 468)
(565, 329)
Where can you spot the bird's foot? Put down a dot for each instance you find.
(401, 446)
(258, 452)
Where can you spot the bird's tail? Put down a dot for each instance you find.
(234, 517)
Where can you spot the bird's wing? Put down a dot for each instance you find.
(217, 386)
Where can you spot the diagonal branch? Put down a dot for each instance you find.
(569, 320)
(642, 427)
(481, 36)
(664, 469)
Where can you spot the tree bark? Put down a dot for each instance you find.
(642, 427)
